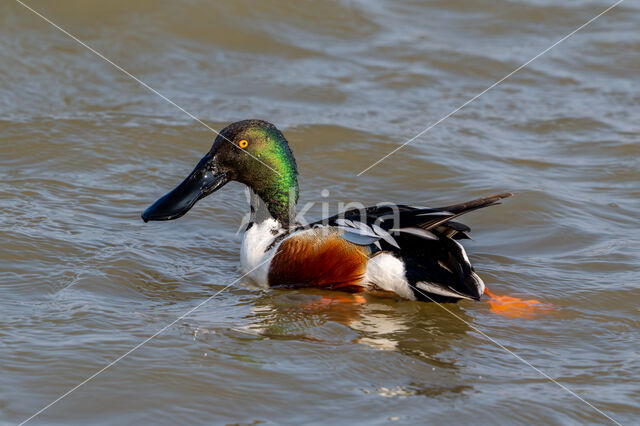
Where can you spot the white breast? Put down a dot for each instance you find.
(254, 261)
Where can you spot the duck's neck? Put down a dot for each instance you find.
(282, 209)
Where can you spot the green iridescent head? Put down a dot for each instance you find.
(253, 152)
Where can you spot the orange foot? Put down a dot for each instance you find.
(338, 298)
(515, 308)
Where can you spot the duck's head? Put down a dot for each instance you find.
(252, 152)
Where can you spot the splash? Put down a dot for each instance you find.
(514, 307)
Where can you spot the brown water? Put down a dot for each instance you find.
(84, 149)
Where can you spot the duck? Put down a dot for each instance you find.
(390, 250)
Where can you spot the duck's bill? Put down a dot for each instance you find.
(202, 181)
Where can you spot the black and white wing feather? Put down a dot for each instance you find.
(436, 265)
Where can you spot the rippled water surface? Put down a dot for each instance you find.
(84, 149)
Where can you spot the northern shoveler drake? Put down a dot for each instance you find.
(411, 252)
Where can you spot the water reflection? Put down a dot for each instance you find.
(419, 330)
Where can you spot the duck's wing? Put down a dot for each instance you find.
(445, 225)
(366, 226)
(436, 266)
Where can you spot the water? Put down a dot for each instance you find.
(84, 149)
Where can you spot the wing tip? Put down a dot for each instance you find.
(494, 199)
(505, 195)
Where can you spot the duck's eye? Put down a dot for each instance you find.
(243, 143)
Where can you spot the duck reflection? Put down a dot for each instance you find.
(421, 330)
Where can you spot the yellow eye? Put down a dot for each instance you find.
(243, 143)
